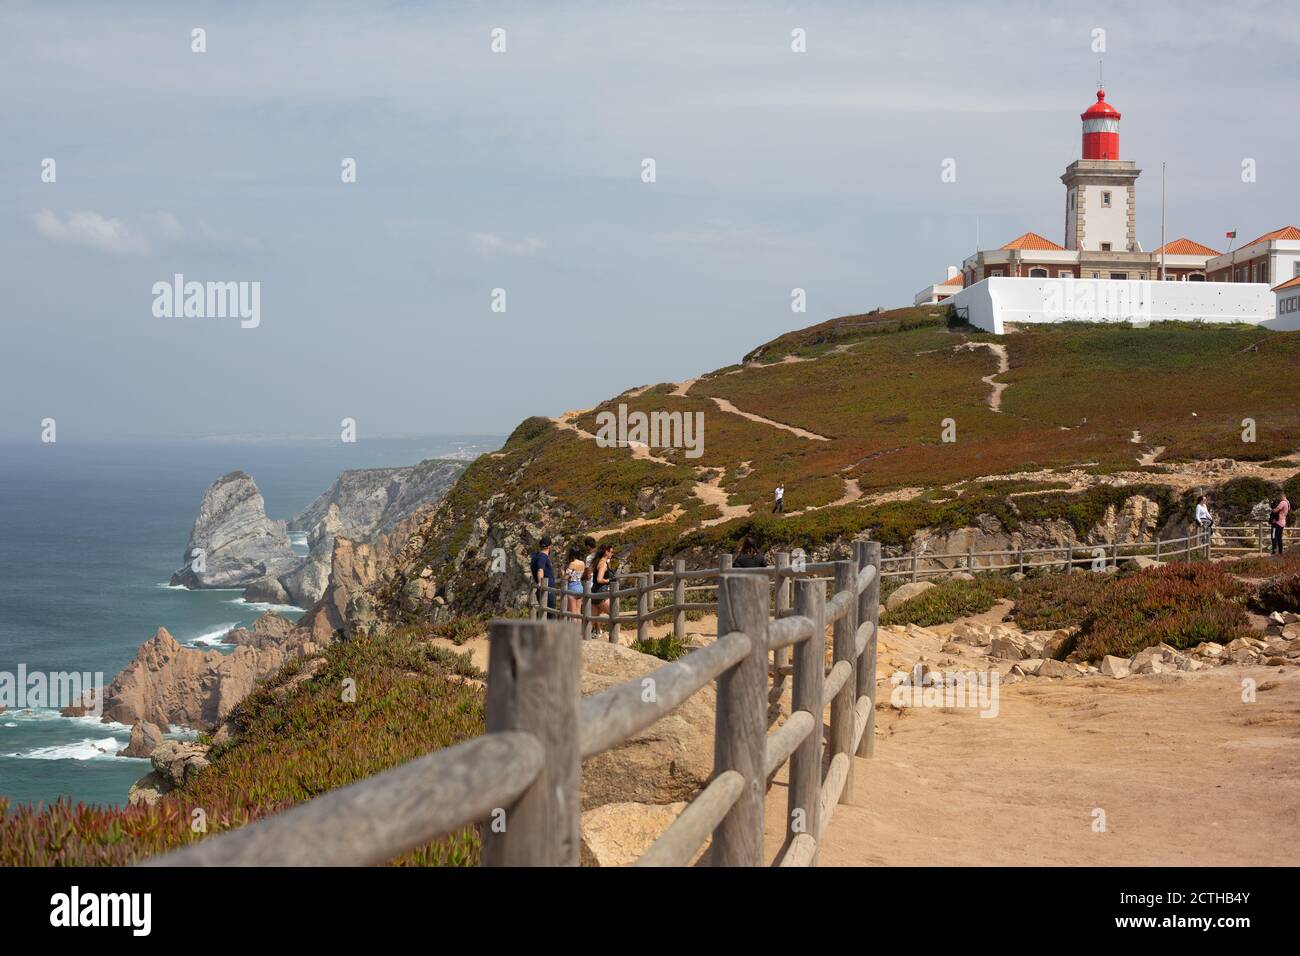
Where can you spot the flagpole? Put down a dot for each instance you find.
(1162, 222)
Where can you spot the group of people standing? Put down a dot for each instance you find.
(1277, 519)
(587, 567)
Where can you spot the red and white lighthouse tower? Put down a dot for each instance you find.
(1100, 188)
(1100, 130)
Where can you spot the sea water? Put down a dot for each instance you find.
(90, 535)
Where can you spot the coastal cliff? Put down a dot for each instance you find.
(233, 543)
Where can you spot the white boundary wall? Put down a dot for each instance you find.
(994, 302)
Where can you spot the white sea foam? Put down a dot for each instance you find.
(11, 724)
(88, 749)
(263, 606)
(214, 638)
(171, 587)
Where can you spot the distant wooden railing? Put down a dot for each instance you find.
(522, 779)
(919, 565)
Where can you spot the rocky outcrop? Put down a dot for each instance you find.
(233, 543)
(370, 501)
(267, 590)
(618, 834)
(170, 684)
(354, 567)
(668, 761)
(145, 738)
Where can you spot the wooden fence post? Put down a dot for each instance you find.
(781, 608)
(1021, 557)
(842, 706)
(724, 560)
(534, 686)
(970, 558)
(869, 610)
(1157, 546)
(915, 562)
(803, 809)
(613, 609)
(679, 598)
(740, 730)
(644, 601)
(586, 609)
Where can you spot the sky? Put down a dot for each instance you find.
(524, 171)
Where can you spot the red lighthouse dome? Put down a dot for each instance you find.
(1100, 130)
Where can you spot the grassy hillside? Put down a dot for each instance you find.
(871, 394)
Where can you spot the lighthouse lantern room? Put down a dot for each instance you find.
(1100, 193)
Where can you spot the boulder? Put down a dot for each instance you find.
(1208, 649)
(176, 761)
(1029, 666)
(668, 761)
(148, 790)
(617, 834)
(1117, 667)
(145, 738)
(1006, 648)
(961, 576)
(1054, 668)
(971, 634)
(906, 592)
(1241, 651)
(266, 590)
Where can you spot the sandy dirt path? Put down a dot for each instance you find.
(1004, 365)
(1184, 771)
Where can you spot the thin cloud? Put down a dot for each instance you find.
(487, 244)
(90, 229)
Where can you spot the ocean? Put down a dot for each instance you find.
(90, 535)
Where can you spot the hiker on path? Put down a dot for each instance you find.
(600, 581)
(779, 507)
(1204, 520)
(1277, 522)
(575, 570)
(543, 573)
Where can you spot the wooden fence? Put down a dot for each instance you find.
(918, 565)
(521, 780)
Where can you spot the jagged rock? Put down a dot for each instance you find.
(906, 592)
(1241, 651)
(354, 567)
(149, 789)
(307, 584)
(666, 762)
(971, 634)
(370, 501)
(266, 590)
(1054, 668)
(176, 761)
(169, 684)
(617, 834)
(1029, 666)
(1007, 648)
(1208, 649)
(145, 738)
(1054, 643)
(1117, 667)
(239, 543)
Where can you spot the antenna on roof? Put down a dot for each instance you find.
(1100, 84)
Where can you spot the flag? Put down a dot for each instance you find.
(1230, 235)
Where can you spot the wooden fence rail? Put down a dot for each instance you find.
(522, 778)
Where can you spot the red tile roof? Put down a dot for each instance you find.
(958, 279)
(1288, 284)
(1032, 240)
(1286, 232)
(1186, 247)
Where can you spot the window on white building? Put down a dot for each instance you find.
(1064, 274)
(1297, 267)
(1038, 273)
(1105, 247)
(1105, 200)
(1119, 275)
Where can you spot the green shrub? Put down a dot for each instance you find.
(1177, 604)
(667, 648)
(1058, 600)
(1279, 594)
(950, 600)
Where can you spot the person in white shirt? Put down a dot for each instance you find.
(779, 507)
(1204, 520)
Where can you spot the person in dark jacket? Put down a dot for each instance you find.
(542, 573)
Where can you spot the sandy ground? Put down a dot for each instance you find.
(1184, 771)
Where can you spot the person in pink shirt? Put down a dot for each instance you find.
(1278, 523)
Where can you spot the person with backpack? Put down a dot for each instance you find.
(1277, 524)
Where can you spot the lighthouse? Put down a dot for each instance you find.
(1100, 130)
(1100, 188)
